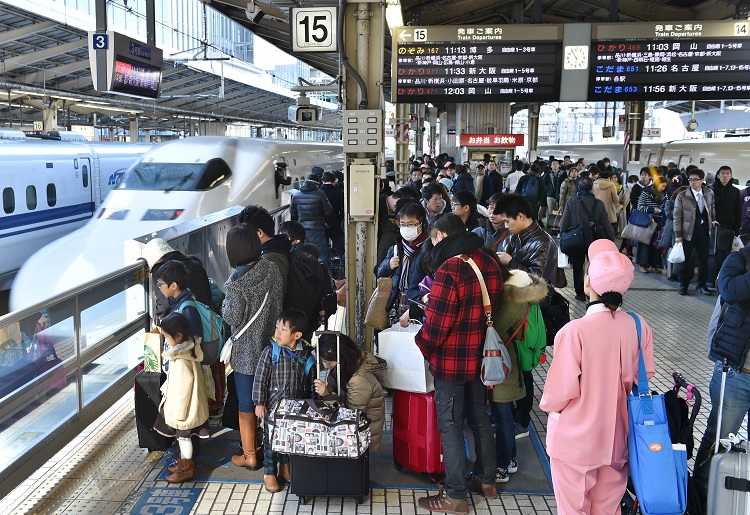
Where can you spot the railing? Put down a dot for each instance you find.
(64, 362)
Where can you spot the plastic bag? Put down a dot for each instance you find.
(563, 261)
(737, 244)
(677, 254)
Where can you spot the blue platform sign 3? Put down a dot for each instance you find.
(167, 501)
(100, 41)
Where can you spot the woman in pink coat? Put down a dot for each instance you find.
(593, 370)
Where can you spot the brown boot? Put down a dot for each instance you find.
(272, 483)
(249, 458)
(285, 473)
(184, 471)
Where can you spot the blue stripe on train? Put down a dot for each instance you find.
(47, 226)
(44, 215)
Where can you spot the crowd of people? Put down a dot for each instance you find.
(431, 232)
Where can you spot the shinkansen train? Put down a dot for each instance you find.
(51, 188)
(174, 182)
(707, 154)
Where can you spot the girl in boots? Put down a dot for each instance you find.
(183, 411)
(255, 287)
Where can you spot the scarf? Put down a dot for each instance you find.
(581, 193)
(409, 249)
(453, 246)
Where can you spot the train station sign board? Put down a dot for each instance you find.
(670, 61)
(120, 64)
(476, 63)
(491, 140)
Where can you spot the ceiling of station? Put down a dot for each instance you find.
(51, 59)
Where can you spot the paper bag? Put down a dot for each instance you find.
(407, 368)
(152, 346)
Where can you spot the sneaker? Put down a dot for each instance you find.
(521, 432)
(475, 485)
(442, 503)
(501, 475)
(513, 467)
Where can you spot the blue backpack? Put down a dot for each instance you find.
(290, 354)
(530, 190)
(213, 336)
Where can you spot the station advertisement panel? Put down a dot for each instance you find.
(670, 61)
(476, 63)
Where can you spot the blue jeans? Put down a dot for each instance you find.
(320, 240)
(244, 384)
(453, 401)
(505, 434)
(736, 406)
(522, 410)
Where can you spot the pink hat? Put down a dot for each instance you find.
(424, 165)
(608, 269)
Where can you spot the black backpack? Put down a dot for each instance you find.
(530, 189)
(555, 312)
(304, 288)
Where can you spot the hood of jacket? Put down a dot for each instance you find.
(278, 243)
(533, 293)
(309, 185)
(182, 350)
(376, 365)
(604, 184)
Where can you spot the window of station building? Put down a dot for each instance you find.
(85, 175)
(31, 200)
(9, 201)
(51, 195)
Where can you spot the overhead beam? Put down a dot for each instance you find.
(19, 61)
(76, 83)
(195, 87)
(12, 35)
(49, 73)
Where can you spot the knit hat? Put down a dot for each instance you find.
(519, 279)
(155, 250)
(447, 183)
(609, 271)
(317, 170)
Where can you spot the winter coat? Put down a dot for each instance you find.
(184, 399)
(541, 197)
(245, 290)
(732, 337)
(311, 207)
(605, 190)
(464, 182)
(745, 210)
(389, 235)
(686, 212)
(728, 207)
(416, 274)
(486, 189)
(197, 281)
(336, 198)
(575, 214)
(512, 313)
(364, 392)
(552, 182)
(277, 250)
(594, 367)
(648, 203)
(567, 191)
(491, 238)
(496, 179)
(534, 251)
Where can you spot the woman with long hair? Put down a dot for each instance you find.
(652, 201)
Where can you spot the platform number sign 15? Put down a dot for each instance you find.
(314, 29)
(100, 41)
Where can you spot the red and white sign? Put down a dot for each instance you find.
(491, 140)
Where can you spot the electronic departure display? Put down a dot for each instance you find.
(487, 63)
(136, 78)
(670, 61)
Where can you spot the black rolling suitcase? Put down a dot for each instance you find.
(147, 398)
(314, 476)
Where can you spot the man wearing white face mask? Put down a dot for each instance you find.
(404, 263)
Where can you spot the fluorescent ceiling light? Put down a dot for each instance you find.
(393, 15)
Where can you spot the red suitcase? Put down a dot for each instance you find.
(416, 439)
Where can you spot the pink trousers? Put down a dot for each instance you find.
(582, 490)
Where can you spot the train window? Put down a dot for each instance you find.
(9, 201)
(51, 195)
(176, 176)
(85, 175)
(31, 198)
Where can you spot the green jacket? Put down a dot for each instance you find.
(507, 317)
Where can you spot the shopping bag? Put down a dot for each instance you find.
(658, 469)
(639, 218)
(313, 428)
(563, 261)
(407, 368)
(677, 254)
(737, 244)
(641, 234)
(377, 312)
(152, 346)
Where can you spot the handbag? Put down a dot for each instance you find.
(658, 469)
(724, 239)
(573, 241)
(310, 427)
(553, 221)
(226, 351)
(496, 364)
(377, 312)
(639, 218)
(641, 234)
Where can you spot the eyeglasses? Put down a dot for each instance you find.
(695, 180)
(454, 204)
(160, 283)
(409, 225)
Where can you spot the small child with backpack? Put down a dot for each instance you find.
(284, 371)
(183, 410)
(172, 282)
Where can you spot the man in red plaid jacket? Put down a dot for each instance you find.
(452, 340)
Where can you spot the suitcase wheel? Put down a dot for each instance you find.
(360, 500)
(398, 465)
(435, 478)
(304, 500)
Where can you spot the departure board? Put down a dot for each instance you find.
(482, 63)
(670, 61)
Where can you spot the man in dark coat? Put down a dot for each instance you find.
(280, 177)
(311, 207)
(335, 222)
(728, 214)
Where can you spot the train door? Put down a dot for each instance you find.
(84, 180)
